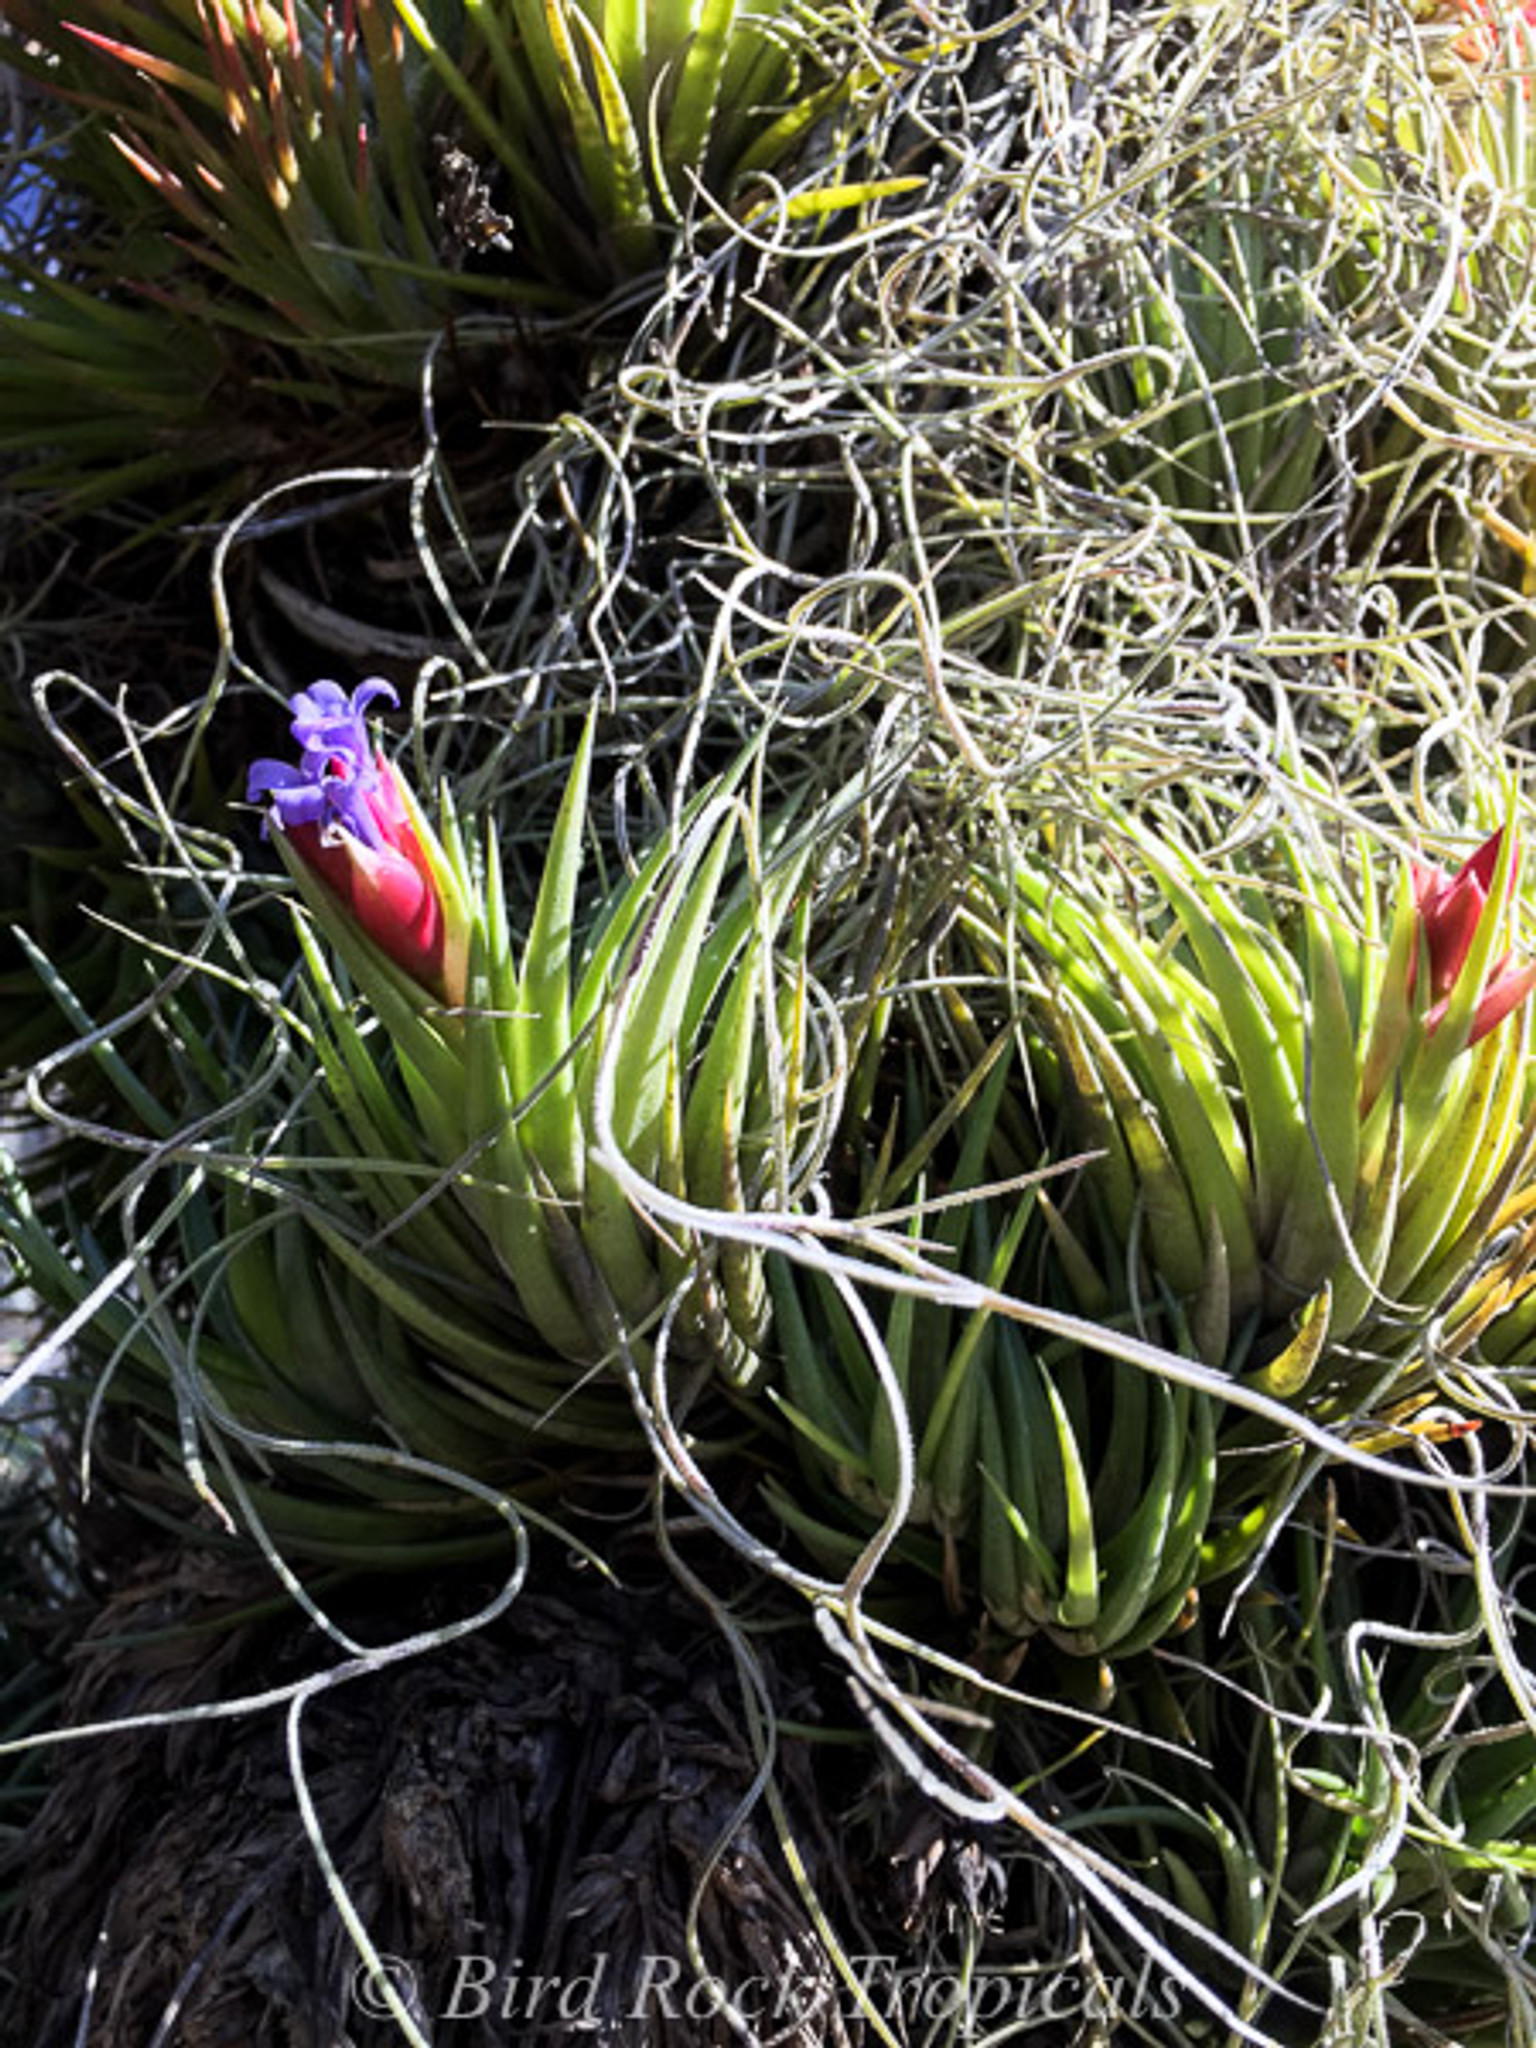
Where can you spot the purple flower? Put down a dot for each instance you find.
(338, 771)
(343, 811)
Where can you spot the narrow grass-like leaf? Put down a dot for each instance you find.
(540, 1036)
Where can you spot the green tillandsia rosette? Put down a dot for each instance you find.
(251, 1331)
(1432, 167)
(236, 239)
(398, 1285)
(684, 995)
(256, 217)
(1305, 1076)
(602, 120)
(1056, 1491)
(1194, 394)
(1300, 1079)
(1343, 1759)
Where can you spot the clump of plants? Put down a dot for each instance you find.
(885, 982)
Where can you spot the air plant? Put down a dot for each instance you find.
(421, 1248)
(1306, 1083)
(289, 202)
(677, 1015)
(607, 122)
(238, 236)
(1304, 1109)
(1056, 1492)
(1302, 1099)
(1195, 385)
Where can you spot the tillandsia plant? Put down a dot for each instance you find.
(236, 236)
(1196, 391)
(289, 201)
(302, 1385)
(605, 120)
(1436, 173)
(676, 1020)
(1359, 1765)
(404, 1273)
(1056, 1493)
(1307, 1079)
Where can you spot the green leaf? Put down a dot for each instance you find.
(1132, 1559)
(817, 1401)
(1308, 1241)
(607, 143)
(700, 65)
(512, 1207)
(948, 1446)
(1286, 1376)
(1356, 1284)
(1078, 1604)
(1255, 991)
(709, 1133)
(656, 982)
(1457, 1160)
(540, 1039)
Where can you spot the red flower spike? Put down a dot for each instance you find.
(1508, 986)
(1450, 908)
(390, 889)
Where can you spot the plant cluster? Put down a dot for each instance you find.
(896, 947)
